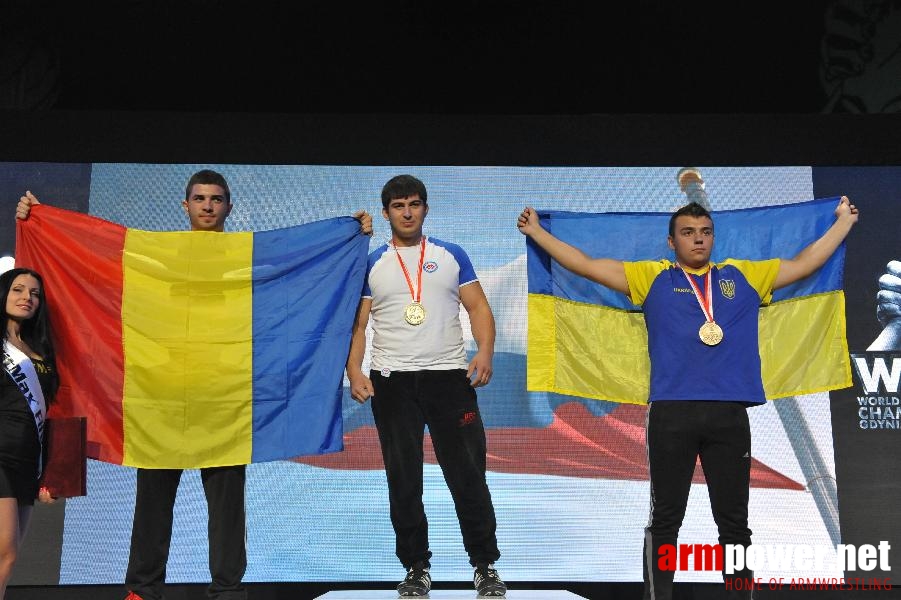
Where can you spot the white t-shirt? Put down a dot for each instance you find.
(436, 343)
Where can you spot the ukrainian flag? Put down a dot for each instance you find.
(586, 340)
(199, 349)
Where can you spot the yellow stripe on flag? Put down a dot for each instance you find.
(593, 351)
(803, 349)
(580, 349)
(188, 344)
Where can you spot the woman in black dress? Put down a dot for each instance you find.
(26, 388)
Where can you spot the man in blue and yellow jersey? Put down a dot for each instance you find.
(705, 365)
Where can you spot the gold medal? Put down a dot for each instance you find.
(414, 313)
(711, 333)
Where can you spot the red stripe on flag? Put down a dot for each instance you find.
(576, 444)
(80, 259)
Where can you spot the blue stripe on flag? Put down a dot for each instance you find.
(750, 233)
(307, 282)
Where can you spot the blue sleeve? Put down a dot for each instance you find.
(467, 271)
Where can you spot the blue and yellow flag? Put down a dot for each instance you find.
(199, 349)
(586, 340)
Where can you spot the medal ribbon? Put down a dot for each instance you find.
(705, 301)
(418, 293)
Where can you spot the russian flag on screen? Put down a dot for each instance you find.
(199, 349)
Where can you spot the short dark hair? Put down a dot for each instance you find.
(692, 209)
(36, 330)
(208, 177)
(403, 186)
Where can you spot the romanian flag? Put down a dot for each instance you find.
(586, 340)
(199, 349)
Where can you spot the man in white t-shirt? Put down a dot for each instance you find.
(420, 377)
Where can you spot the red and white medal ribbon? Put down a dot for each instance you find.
(414, 313)
(705, 301)
(710, 333)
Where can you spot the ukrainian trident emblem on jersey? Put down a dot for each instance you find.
(727, 286)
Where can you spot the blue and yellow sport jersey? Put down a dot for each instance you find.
(682, 366)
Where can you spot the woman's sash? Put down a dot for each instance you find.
(21, 370)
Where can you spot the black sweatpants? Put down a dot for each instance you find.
(677, 433)
(152, 531)
(403, 404)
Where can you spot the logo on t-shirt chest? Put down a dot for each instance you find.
(727, 287)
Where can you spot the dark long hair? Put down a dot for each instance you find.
(36, 330)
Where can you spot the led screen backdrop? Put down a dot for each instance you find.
(564, 512)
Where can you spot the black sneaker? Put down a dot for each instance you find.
(417, 583)
(488, 583)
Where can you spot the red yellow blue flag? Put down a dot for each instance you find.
(199, 349)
